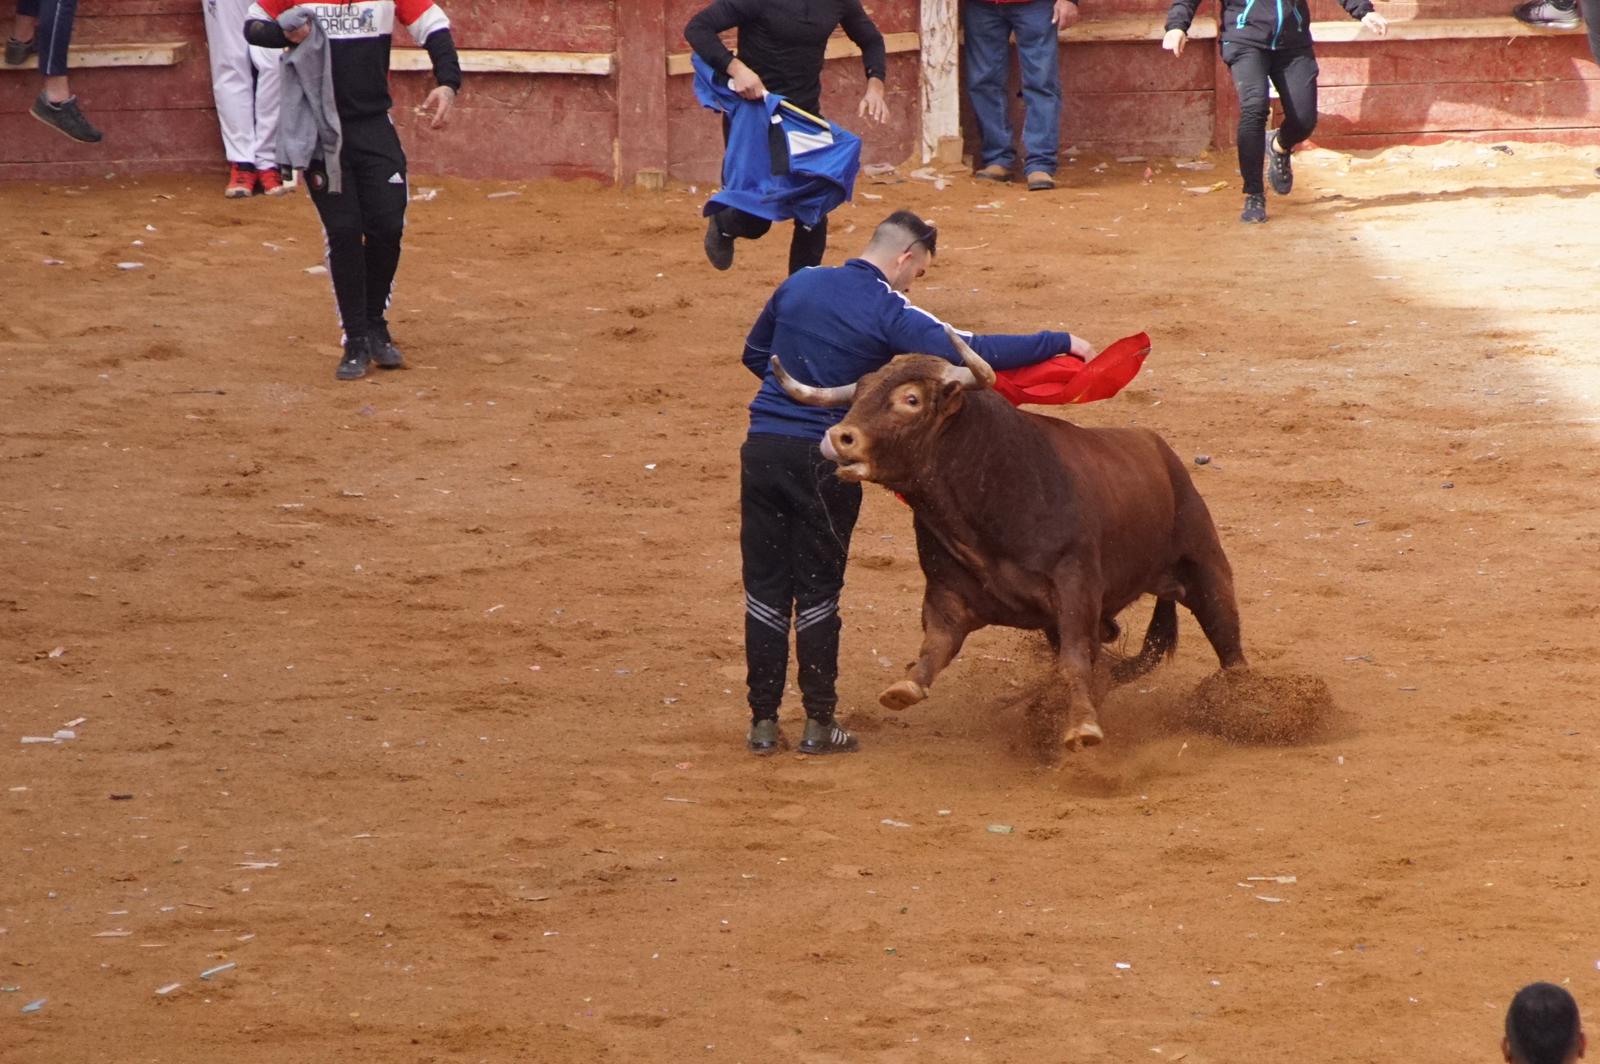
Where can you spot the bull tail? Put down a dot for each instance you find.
(1160, 641)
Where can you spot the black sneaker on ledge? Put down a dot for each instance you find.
(66, 119)
(1548, 14)
(17, 52)
(1255, 209)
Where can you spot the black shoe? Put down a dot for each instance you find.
(1280, 170)
(357, 359)
(764, 738)
(17, 52)
(65, 118)
(1547, 14)
(384, 353)
(826, 737)
(1255, 209)
(719, 245)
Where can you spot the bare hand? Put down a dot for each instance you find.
(299, 33)
(1065, 14)
(439, 102)
(746, 82)
(1082, 348)
(1174, 42)
(1375, 22)
(873, 105)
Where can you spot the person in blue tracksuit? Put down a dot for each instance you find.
(1264, 40)
(828, 326)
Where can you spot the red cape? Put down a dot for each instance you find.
(1064, 379)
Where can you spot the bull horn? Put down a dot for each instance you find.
(982, 372)
(809, 394)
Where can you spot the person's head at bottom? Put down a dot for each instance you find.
(902, 247)
(1542, 1027)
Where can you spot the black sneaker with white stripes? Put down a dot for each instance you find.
(826, 737)
(1280, 169)
(765, 738)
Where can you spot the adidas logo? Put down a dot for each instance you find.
(397, 179)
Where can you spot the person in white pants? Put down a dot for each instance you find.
(245, 81)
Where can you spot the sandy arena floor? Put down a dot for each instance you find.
(419, 700)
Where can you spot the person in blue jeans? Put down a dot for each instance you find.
(44, 28)
(989, 26)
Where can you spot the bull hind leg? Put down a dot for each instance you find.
(1208, 594)
(946, 623)
(1160, 641)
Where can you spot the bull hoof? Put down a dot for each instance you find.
(902, 695)
(1084, 736)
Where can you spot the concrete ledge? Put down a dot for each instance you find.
(1433, 29)
(148, 54)
(487, 61)
(1117, 30)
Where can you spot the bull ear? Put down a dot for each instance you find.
(955, 382)
(808, 394)
(982, 372)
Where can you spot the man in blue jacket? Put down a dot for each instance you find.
(828, 326)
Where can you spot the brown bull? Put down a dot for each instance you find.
(1030, 522)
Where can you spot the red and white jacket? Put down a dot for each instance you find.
(359, 34)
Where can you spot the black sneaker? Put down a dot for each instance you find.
(384, 353)
(1547, 14)
(764, 738)
(17, 52)
(1255, 209)
(66, 119)
(357, 359)
(719, 245)
(1280, 170)
(826, 737)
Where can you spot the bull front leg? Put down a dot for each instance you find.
(946, 623)
(1078, 620)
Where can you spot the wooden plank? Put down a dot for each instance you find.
(641, 144)
(941, 81)
(1124, 30)
(144, 54)
(838, 48)
(1431, 29)
(495, 61)
(1426, 63)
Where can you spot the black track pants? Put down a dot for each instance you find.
(1295, 75)
(363, 223)
(796, 517)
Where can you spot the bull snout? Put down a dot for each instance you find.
(846, 445)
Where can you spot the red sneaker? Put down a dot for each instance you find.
(271, 181)
(241, 182)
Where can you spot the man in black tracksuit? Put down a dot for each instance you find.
(782, 45)
(365, 220)
(1265, 40)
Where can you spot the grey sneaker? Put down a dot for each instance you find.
(357, 359)
(1548, 14)
(826, 737)
(17, 52)
(66, 119)
(764, 738)
(1255, 209)
(1280, 170)
(384, 353)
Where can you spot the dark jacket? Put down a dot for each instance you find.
(834, 325)
(785, 41)
(1281, 25)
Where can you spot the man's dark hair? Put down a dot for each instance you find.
(904, 230)
(1542, 1024)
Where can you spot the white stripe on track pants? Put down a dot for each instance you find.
(245, 81)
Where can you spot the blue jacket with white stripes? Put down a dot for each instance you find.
(834, 325)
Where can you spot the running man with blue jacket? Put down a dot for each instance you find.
(827, 326)
(1264, 40)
